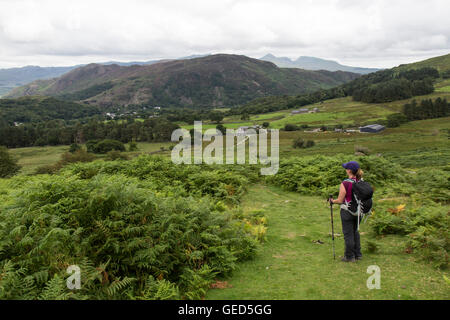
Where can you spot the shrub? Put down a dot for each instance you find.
(360, 150)
(132, 146)
(78, 156)
(90, 145)
(40, 142)
(433, 184)
(265, 124)
(107, 145)
(221, 128)
(74, 147)
(221, 182)
(47, 169)
(372, 246)
(129, 241)
(8, 165)
(395, 120)
(432, 243)
(322, 175)
(66, 158)
(426, 226)
(116, 155)
(290, 127)
(298, 143)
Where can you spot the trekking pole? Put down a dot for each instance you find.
(332, 224)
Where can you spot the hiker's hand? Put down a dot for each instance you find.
(330, 201)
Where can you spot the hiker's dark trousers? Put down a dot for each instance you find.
(351, 235)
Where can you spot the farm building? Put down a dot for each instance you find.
(241, 131)
(303, 110)
(372, 128)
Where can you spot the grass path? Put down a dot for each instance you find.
(290, 265)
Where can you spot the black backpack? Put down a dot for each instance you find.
(361, 203)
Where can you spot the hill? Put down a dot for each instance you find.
(312, 63)
(11, 78)
(442, 63)
(14, 77)
(396, 84)
(215, 80)
(36, 109)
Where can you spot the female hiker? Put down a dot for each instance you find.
(349, 221)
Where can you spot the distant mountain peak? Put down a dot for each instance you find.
(314, 63)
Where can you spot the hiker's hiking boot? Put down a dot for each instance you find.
(358, 258)
(345, 259)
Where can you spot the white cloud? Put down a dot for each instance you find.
(358, 32)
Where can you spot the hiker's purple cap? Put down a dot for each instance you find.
(352, 165)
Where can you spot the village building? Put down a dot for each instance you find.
(372, 128)
(299, 111)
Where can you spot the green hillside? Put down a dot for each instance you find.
(396, 85)
(39, 108)
(442, 63)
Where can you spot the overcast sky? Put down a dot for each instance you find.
(366, 33)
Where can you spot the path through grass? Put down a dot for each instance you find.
(290, 265)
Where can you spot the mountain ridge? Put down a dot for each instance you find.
(313, 63)
(11, 78)
(212, 80)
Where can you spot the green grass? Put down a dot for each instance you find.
(269, 116)
(321, 118)
(443, 89)
(442, 63)
(290, 266)
(34, 157)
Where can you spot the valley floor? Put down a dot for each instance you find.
(290, 265)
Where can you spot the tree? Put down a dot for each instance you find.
(107, 145)
(298, 143)
(74, 147)
(290, 127)
(217, 117)
(396, 119)
(245, 116)
(221, 128)
(8, 165)
(132, 146)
